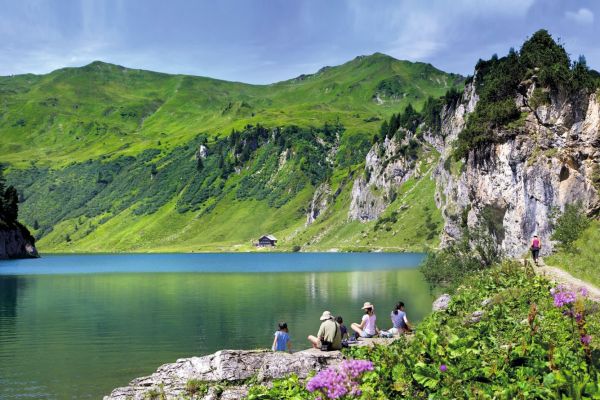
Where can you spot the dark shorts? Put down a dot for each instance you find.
(535, 253)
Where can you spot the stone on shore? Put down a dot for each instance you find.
(442, 302)
(227, 373)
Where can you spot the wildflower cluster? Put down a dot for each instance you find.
(575, 309)
(337, 382)
(563, 296)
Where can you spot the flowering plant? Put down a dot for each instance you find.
(575, 309)
(341, 381)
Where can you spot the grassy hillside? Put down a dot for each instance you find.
(107, 158)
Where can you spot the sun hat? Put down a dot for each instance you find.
(367, 305)
(326, 315)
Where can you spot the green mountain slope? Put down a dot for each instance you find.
(107, 158)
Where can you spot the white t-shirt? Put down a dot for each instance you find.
(369, 324)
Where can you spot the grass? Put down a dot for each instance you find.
(113, 167)
(583, 261)
(76, 114)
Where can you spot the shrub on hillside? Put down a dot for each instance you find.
(569, 226)
(9, 201)
(475, 251)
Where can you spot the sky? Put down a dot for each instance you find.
(265, 41)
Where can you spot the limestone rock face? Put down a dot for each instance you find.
(17, 242)
(548, 159)
(319, 203)
(231, 369)
(385, 171)
(535, 170)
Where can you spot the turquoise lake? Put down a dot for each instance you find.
(77, 326)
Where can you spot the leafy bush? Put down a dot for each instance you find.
(477, 250)
(9, 201)
(570, 225)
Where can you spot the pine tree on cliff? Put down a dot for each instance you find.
(10, 208)
(9, 201)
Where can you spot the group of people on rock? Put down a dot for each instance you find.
(333, 334)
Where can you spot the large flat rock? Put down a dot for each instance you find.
(230, 370)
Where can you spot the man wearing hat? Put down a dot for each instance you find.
(329, 336)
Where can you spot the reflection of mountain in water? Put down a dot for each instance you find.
(360, 286)
(9, 288)
(9, 293)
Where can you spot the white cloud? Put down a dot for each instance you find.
(582, 16)
(419, 30)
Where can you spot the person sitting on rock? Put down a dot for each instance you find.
(282, 339)
(368, 326)
(399, 320)
(329, 336)
(343, 328)
(536, 245)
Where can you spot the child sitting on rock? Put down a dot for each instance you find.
(282, 339)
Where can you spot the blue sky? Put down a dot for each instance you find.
(267, 41)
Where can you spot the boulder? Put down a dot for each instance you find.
(442, 302)
(233, 370)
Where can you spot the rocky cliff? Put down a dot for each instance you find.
(16, 242)
(513, 182)
(546, 162)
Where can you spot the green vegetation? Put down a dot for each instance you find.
(9, 202)
(569, 226)
(581, 260)
(76, 114)
(117, 164)
(498, 81)
(9, 209)
(476, 251)
(409, 119)
(503, 336)
(196, 387)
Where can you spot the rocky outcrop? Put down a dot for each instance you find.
(514, 186)
(16, 242)
(535, 170)
(319, 203)
(441, 303)
(385, 170)
(227, 373)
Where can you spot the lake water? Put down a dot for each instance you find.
(76, 326)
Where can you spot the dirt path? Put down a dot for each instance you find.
(563, 277)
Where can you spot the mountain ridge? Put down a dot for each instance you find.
(352, 159)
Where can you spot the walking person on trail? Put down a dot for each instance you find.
(536, 245)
